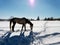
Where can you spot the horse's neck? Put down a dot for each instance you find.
(30, 23)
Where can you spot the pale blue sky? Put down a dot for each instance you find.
(22, 8)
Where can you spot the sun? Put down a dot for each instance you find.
(32, 2)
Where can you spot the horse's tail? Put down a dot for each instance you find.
(10, 23)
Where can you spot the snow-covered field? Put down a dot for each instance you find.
(44, 33)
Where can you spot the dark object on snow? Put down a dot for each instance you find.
(22, 21)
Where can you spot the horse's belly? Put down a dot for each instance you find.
(21, 22)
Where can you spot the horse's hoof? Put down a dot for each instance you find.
(13, 31)
(25, 30)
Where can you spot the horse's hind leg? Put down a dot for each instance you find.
(22, 28)
(13, 26)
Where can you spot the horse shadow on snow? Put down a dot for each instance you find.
(24, 40)
(17, 40)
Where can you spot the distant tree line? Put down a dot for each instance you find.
(51, 18)
(37, 19)
(4, 19)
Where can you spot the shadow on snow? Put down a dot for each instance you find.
(16, 40)
(25, 40)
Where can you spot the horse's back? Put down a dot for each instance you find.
(20, 20)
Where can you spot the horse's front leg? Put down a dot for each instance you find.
(25, 27)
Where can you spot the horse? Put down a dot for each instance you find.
(22, 21)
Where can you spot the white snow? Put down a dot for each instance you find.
(44, 33)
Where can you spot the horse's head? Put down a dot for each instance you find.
(31, 26)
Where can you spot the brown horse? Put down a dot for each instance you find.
(22, 21)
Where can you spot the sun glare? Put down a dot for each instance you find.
(32, 2)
